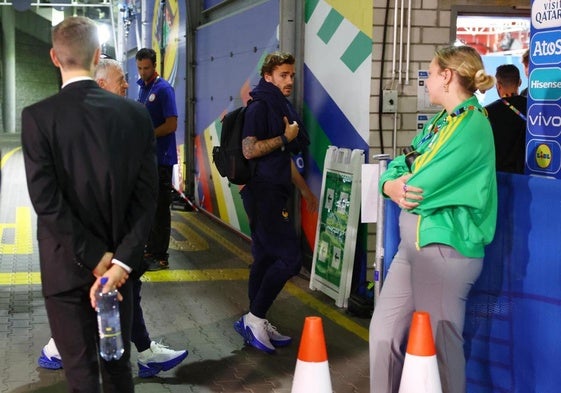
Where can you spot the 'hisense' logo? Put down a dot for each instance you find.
(545, 84)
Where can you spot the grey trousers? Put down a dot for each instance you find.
(436, 279)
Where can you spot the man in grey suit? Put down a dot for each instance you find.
(95, 201)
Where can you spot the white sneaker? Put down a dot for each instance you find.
(256, 333)
(158, 358)
(50, 358)
(277, 339)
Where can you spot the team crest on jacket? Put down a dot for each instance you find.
(284, 214)
(152, 97)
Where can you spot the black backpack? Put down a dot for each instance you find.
(228, 157)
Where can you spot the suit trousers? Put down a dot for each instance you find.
(74, 328)
(158, 241)
(436, 279)
(139, 333)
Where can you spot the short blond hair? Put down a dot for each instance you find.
(75, 41)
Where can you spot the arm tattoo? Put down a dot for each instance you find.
(253, 148)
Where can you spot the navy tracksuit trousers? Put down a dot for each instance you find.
(275, 245)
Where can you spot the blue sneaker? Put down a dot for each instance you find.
(50, 358)
(158, 358)
(254, 333)
(277, 339)
(239, 327)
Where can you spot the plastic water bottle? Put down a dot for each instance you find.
(109, 324)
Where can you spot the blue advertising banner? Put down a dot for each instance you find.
(543, 149)
(513, 311)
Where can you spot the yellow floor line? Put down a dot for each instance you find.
(7, 156)
(20, 278)
(196, 275)
(327, 311)
(206, 275)
(34, 278)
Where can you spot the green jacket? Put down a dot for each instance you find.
(456, 170)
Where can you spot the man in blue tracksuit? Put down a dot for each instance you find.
(271, 135)
(159, 98)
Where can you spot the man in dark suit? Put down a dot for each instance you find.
(153, 356)
(92, 178)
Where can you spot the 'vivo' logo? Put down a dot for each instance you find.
(544, 120)
(546, 47)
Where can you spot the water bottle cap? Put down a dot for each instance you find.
(104, 280)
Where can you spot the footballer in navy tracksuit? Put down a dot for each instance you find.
(272, 133)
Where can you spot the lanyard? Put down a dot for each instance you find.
(508, 104)
(437, 127)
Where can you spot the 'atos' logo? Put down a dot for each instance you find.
(546, 47)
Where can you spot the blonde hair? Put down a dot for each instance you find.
(467, 63)
(75, 41)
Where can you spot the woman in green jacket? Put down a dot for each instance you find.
(445, 184)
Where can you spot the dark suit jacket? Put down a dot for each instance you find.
(92, 178)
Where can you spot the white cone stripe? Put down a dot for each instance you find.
(311, 377)
(420, 375)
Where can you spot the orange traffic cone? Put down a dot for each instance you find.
(420, 369)
(312, 368)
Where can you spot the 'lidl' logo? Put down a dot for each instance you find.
(545, 84)
(543, 156)
(546, 47)
(546, 14)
